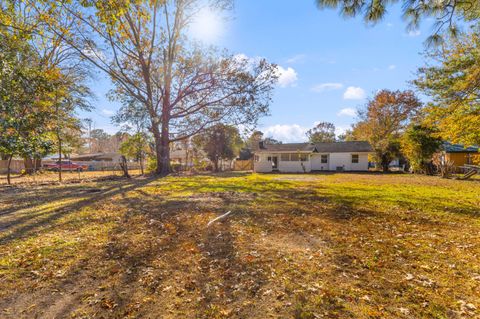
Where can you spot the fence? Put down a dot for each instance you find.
(243, 165)
(17, 166)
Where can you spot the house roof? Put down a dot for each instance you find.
(334, 147)
(95, 156)
(458, 148)
(289, 147)
(342, 147)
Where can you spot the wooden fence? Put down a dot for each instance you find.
(18, 165)
(243, 165)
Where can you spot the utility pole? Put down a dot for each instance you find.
(89, 123)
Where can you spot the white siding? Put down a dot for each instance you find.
(314, 163)
(263, 165)
(345, 160)
(317, 165)
(294, 167)
(362, 164)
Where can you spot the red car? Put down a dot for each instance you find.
(66, 166)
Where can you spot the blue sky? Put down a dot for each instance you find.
(329, 64)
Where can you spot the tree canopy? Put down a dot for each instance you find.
(446, 13)
(322, 132)
(180, 88)
(418, 145)
(220, 142)
(383, 120)
(452, 80)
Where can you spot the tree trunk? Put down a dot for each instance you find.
(385, 167)
(164, 152)
(59, 158)
(37, 163)
(124, 166)
(385, 162)
(8, 168)
(157, 136)
(28, 163)
(141, 164)
(164, 163)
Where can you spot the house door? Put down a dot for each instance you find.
(275, 163)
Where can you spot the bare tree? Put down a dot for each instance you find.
(182, 87)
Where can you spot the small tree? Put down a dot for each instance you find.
(383, 121)
(419, 145)
(25, 102)
(322, 132)
(220, 142)
(136, 147)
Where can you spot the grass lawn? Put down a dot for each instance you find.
(295, 246)
(48, 177)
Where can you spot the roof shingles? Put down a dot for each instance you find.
(334, 147)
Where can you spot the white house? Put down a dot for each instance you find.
(307, 157)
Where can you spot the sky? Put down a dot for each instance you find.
(328, 65)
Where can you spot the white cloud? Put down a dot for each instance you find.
(414, 33)
(287, 133)
(392, 67)
(327, 87)
(296, 59)
(348, 111)
(294, 133)
(389, 24)
(286, 77)
(107, 112)
(341, 129)
(354, 93)
(240, 57)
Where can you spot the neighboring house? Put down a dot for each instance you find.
(182, 156)
(188, 158)
(460, 155)
(307, 157)
(100, 157)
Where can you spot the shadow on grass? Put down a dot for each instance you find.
(51, 216)
(161, 249)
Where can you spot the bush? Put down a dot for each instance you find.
(151, 164)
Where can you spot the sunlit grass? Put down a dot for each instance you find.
(303, 246)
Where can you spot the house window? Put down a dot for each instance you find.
(303, 157)
(285, 157)
(256, 158)
(324, 159)
(469, 159)
(294, 157)
(269, 159)
(355, 159)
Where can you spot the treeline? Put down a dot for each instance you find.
(169, 86)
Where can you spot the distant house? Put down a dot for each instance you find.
(460, 155)
(308, 157)
(182, 156)
(100, 157)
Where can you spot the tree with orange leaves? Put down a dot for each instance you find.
(383, 121)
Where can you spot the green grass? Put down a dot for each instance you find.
(302, 246)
